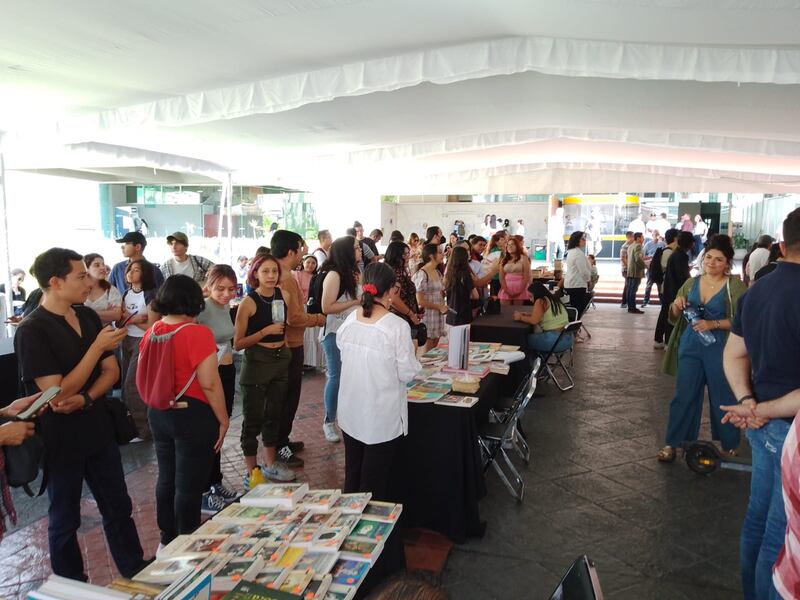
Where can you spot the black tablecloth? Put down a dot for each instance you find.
(501, 328)
(443, 475)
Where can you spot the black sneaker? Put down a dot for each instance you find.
(226, 493)
(289, 458)
(296, 446)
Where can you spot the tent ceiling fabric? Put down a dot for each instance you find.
(401, 96)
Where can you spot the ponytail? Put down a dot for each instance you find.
(379, 278)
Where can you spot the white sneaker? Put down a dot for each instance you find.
(330, 432)
(278, 472)
(658, 345)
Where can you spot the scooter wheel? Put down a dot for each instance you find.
(701, 459)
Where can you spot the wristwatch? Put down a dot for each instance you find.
(88, 402)
(747, 397)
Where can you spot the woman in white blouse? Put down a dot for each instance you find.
(104, 298)
(377, 360)
(578, 272)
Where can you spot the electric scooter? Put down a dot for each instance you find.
(704, 458)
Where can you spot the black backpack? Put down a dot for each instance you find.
(656, 271)
(314, 304)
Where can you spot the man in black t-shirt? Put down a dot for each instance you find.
(63, 343)
(760, 361)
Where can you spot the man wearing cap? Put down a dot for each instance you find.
(183, 263)
(133, 244)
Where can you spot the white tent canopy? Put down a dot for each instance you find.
(401, 96)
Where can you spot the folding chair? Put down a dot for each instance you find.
(553, 359)
(503, 407)
(492, 436)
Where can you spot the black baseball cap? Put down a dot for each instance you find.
(133, 237)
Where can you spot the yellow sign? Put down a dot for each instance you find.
(601, 199)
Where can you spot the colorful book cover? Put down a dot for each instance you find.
(372, 530)
(319, 562)
(275, 494)
(168, 570)
(352, 503)
(297, 581)
(320, 499)
(290, 556)
(203, 543)
(460, 401)
(361, 549)
(478, 370)
(383, 511)
(349, 572)
(249, 590)
(415, 395)
(317, 588)
(269, 576)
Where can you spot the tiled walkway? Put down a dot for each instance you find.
(655, 531)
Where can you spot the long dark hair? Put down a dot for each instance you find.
(88, 259)
(342, 261)
(432, 231)
(685, 241)
(394, 254)
(148, 280)
(722, 243)
(428, 251)
(457, 267)
(575, 240)
(538, 290)
(383, 278)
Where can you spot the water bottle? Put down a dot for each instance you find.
(278, 311)
(692, 315)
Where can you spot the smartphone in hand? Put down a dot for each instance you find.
(46, 397)
(127, 319)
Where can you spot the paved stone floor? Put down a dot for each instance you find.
(593, 487)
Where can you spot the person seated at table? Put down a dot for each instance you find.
(549, 317)
(373, 409)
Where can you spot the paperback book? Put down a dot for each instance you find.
(460, 401)
(275, 494)
(354, 548)
(375, 531)
(383, 511)
(352, 503)
(248, 590)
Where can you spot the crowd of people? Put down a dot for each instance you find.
(167, 335)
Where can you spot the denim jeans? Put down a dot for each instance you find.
(630, 291)
(542, 342)
(333, 366)
(764, 524)
(184, 444)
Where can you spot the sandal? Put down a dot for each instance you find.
(666, 454)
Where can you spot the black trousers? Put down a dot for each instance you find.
(578, 299)
(625, 289)
(102, 471)
(184, 442)
(227, 373)
(372, 467)
(663, 328)
(292, 395)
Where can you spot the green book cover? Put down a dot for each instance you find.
(247, 590)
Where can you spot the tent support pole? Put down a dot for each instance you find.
(5, 250)
(229, 183)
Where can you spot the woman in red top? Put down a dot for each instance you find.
(187, 436)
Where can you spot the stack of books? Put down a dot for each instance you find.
(279, 541)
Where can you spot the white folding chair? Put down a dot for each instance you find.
(553, 359)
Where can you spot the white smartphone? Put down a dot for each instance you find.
(46, 397)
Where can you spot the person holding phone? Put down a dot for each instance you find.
(63, 343)
(265, 369)
(139, 274)
(187, 436)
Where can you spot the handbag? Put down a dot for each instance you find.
(121, 420)
(419, 333)
(492, 306)
(23, 463)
